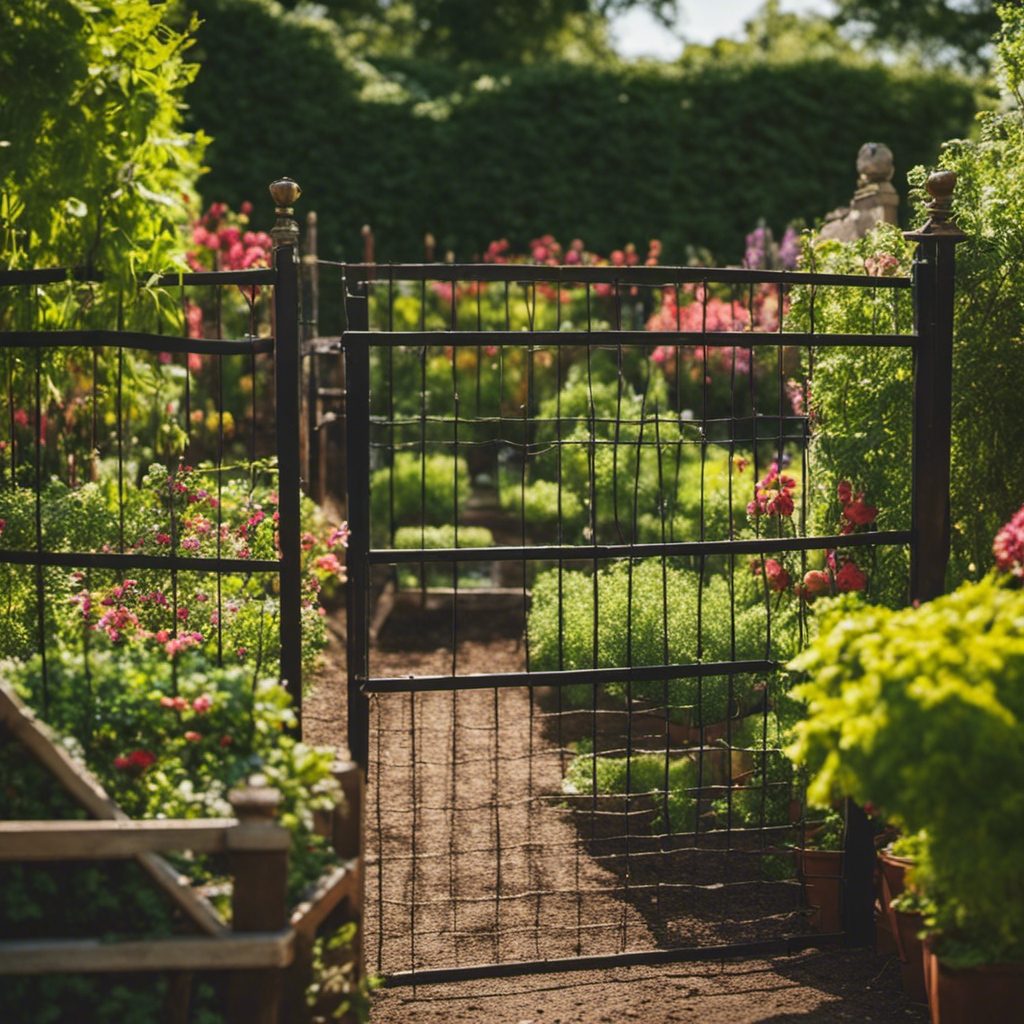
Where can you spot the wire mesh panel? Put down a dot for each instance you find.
(594, 515)
(138, 478)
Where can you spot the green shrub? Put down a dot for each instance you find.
(417, 490)
(647, 615)
(918, 713)
(614, 146)
(670, 781)
(443, 537)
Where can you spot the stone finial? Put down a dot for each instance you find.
(286, 231)
(940, 187)
(874, 201)
(874, 163)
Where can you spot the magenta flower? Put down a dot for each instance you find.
(1008, 546)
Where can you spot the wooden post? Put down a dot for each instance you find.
(259, 901)
(348, 843)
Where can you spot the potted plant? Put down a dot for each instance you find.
(918, 712)
(905, 907)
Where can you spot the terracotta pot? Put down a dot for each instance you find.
(972, 995)
(885, 941)
(903, 925)
(894, 870)
(822, 875)
(907, 925)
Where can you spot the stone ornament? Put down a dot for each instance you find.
(875, 200)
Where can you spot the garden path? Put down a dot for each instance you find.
(811, 988)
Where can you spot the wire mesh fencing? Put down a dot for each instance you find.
(591, 503)
(141, 505)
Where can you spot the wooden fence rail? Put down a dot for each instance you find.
(269, 950)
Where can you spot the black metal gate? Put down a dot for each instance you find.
(568, 701)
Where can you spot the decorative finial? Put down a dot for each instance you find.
(940, 187)
(367, 233)
(286, 231)
(874, 163)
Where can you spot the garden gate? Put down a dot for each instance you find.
(569, 548)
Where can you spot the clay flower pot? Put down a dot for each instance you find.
(821, 871)
(903, 924)
(971, 995)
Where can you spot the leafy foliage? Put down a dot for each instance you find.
(861, 398)
(669, 783)
(94, 168)
(918, 712)
(417, 490)
(954, 31)
(647, 614)
(571, 149)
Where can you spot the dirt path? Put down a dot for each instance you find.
(488, 785)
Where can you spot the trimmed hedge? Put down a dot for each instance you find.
(691, 156)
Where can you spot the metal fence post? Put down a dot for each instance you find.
(934, 273)
(287, 373)
(357, 457)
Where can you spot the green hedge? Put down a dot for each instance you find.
(609, 154)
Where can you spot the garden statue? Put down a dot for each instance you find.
(874, 201)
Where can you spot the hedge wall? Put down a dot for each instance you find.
(610, 155)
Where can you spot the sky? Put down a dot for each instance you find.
(704, 21)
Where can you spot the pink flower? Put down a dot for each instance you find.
(225, 741)
(1008, 546)
(163, 538)
(340, 536)
(817, 582)
(202, 704)
(850, 578)
(192, 736)
(844, 492)
(141, 758)
(329, 563)
(777, 577)
(246, 208)
(20, 418)
(176, 703)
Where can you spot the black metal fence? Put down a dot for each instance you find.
(566, 627)
(97, 405)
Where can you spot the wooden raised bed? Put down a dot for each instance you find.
(268, 950)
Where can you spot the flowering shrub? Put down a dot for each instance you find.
(230, 618)
(711, 379)
(839, 573)
(165, 741)
(221, 241)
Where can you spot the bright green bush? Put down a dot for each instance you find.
(443, 537)
(417, 490)
(647, 615)
(670, 781)
(918, 712)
